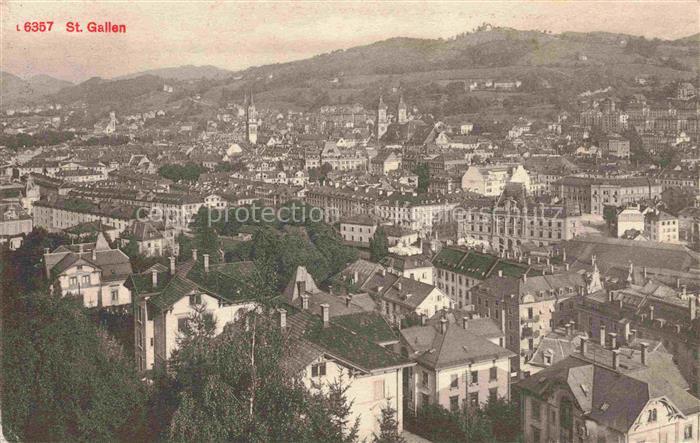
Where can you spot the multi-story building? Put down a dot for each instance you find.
(58, 213)
(661, 226)
(455, 368)
(338, 203)
(616, 146)
(165, 300)
(492, 180)
(679, 179)
(629, 218)
(417, 213)
(608, 396)
(590, 195)
(358, 230)
(647, 309)
(91, 272)
(15, 224)
(529, 307)
(509, 224)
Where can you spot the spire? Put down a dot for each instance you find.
(381, 104)
(595, 284)
(630, 276)
(402, 104)
(252, 99)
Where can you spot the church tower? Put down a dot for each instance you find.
(251, 120)
(382, 121)
(402, 111)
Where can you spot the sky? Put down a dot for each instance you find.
(240, 34)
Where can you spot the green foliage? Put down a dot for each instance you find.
(189, 172)
(45, 138)
(389, 427)
(423, 178)
(497, 421)
(235, 388)
(378, 245)
(64, 379)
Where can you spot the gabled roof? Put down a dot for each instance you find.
(457, 346)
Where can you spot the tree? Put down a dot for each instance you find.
(236, 387)
(423, 178)
(65, 379)
(388, 427)
(378, 245)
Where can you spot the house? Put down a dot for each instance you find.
(164, 300)
(456, 367)
(399, 297)
(358, 230)
(385, 162)
(331, 339)
(607, 396)
(413, 267)
(661, 226)
(629, 218)
(93, 272)
(398, 235)
(153, 239)
(15, 224)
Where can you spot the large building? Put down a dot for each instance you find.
(608, 396)
(251, 120)
(590, 195)
(94, 273)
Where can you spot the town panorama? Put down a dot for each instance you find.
(491, 237)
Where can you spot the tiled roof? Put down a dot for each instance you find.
(457, 346)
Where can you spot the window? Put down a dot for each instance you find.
(493, 373)
(474, 400)
(181, 324)
(493, 395)
(652, 415)
(535, 409)
(454, 403)
(115, 294)
(454, 381)
(85, 280)
(425, 399)
(195, 299)
(378, 389)
(425, 379)
(475, 377)
(688, 432)
(318, 370)
(73, 281)
(536, 437)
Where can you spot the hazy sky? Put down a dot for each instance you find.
(237, 35)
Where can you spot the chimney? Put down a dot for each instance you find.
(283, 318)
(154, 278)
(684, 288)
(500, 272)
(563, 254)
(347, 301)
(443, 325)
(584, 346)
(305, 302)
(615, 358)
(693, 307)
(355, 277)
(525, 277)
(206, 262)
(633, 336)
(46, 250)
(678, 282)
(383, 272)
(566, 266)
(568, 329)
(80, 248)
(651, 312)
(644, 352)
(325, 313)
(601, 333)
(613, 340)
(172, 265)
(398, 286)
(644, 270)
(94, 254)
(465, 322)
(610, 296)
(423, 319)
(194, 254)
(529, 261)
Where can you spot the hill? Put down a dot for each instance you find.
(432, 73)
(187, 72)
(17, 90)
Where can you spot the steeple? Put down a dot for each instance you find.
(382, 123)
(251, 123)
(595, 284)
(402, 110)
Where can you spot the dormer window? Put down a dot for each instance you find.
(195, 299)
(652, 416)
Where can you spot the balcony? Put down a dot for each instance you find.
(526, 320)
